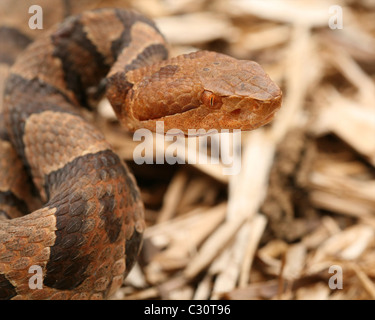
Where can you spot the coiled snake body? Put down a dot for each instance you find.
(87, 234)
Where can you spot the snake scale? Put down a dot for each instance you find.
(85, 231)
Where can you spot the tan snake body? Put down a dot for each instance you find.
(87, 234)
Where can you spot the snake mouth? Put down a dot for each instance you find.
(269, 118)
(161, 117)
(264, 121)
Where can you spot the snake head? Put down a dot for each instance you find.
(201, 90)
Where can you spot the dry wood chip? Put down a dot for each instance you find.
(318, 291)
(311, 13)
(349, 244)
(196, 28)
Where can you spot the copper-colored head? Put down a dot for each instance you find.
(201, 90)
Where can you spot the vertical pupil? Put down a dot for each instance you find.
(212, 101)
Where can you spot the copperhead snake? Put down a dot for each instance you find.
(88, 232)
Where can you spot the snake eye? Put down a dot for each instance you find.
(211, 100)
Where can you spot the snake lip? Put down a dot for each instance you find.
(265, 121)
(161, 118)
